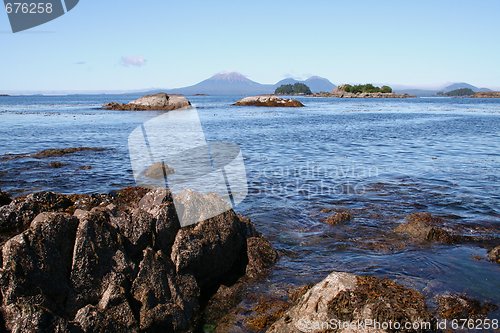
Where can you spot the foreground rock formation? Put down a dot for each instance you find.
(347, 298)
(269, 101)
(161, 101)
(117, 262)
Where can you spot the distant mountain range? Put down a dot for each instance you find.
(463, 85)
(447, 88)
(238, 84)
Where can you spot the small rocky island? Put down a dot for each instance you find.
(160, 102)
(269, 101)
(487, 94)
(462, 92)
(364, 91)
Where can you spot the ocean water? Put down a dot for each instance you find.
(381, 159)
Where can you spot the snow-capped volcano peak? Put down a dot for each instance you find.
(230, 76)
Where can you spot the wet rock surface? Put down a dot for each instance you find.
(268, 101)
(119, 262)
(21, 211)
(349, 298)
(462, 307)
(4, 199)
(342, 216)
(494, 254)
(422, 227)
(160, 102)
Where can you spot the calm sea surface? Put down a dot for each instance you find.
(382, 159)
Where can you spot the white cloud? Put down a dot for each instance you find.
(134, 61)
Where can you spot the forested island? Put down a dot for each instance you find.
(293, 89)
(365, 91)
(365, 88)
(464, 92)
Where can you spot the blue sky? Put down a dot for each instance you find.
(125, 44)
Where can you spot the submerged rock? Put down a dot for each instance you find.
(347, 298)
(158, 170)
(341, 216)
(269, 101)
(462, 307)
(494, 254)
(56, 165)
(53, 152)
(160, 101)
(422, 227)
(120, 263)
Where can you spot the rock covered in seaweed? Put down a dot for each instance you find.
(347, 298)
(461, 307)
(268, 101)
(494, 254)
(160, 102)
(422, 227)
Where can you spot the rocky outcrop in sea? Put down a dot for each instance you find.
(268, 101)
(343, 94)
(160, 101)
(487, 94)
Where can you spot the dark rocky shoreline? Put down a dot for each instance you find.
(121, 262)
(118, 262)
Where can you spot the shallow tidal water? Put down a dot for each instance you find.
(381, 159)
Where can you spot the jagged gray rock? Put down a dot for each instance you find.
(34, 274)
(118, 262)
(20, 212)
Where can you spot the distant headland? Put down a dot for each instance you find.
(363, 91)
(487, 94)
